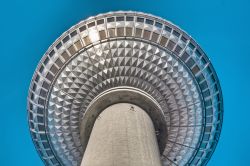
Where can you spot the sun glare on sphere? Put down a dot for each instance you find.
(93, 35)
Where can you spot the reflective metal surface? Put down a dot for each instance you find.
(125, 49)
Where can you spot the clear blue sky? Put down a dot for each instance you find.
(221, 27)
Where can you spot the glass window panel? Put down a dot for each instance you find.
(120, 31)
(155, 37)
(148, 21)
(100, 21)
(102, 34)
(163, 41)
(158, 25)
(140, 19)
(146, 34)
(128, 18)
(83, 28)
(91, 24)
(119, 18)
(74, 33)
(78, 45)
(128, 31)
(111, 32)
(110, 19)
(170, 45)
(167, 28)
(66, 39)
(138, 32)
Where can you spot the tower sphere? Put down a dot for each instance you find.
(125, 57)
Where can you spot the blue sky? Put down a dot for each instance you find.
(221, 27)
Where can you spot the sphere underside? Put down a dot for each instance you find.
(134, 50)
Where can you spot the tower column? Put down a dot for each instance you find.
(123, 135)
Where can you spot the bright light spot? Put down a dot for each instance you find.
(93, 36)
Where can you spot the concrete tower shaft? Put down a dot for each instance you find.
(123, 134)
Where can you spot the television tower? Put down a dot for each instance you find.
(125, 89)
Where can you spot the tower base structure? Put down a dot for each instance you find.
(123, 134)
